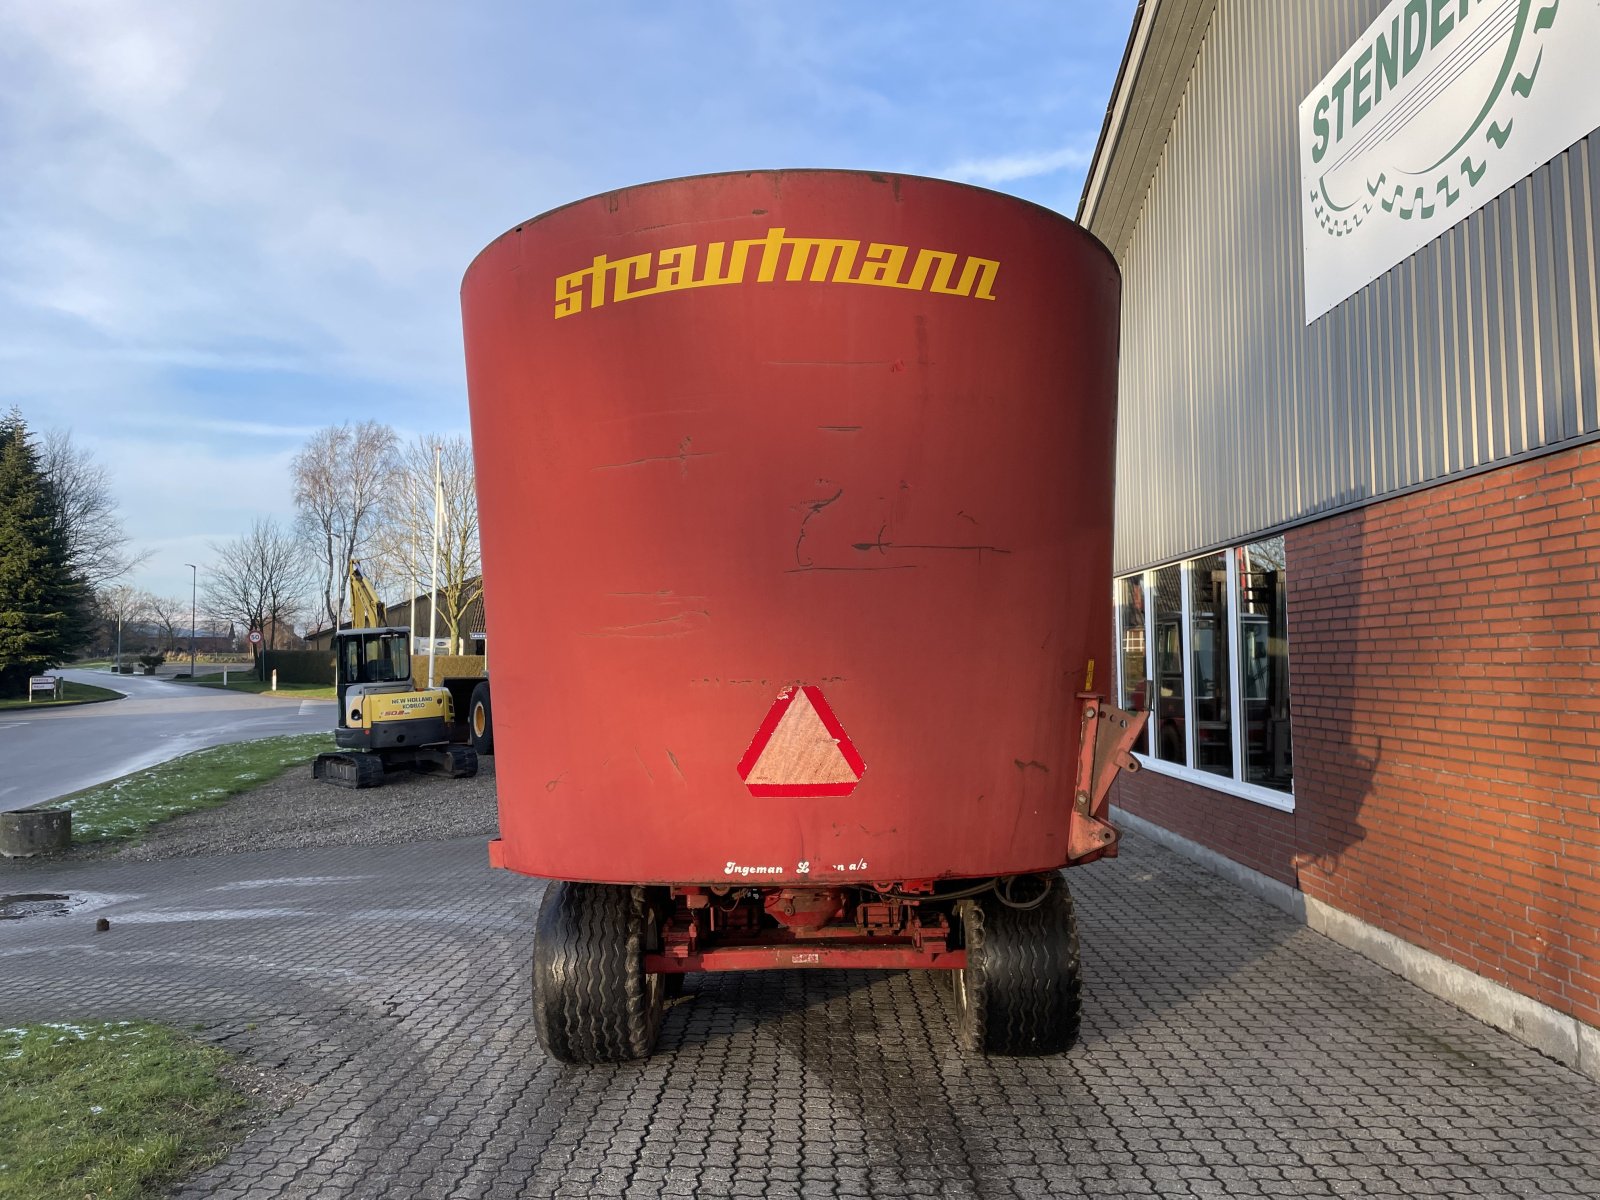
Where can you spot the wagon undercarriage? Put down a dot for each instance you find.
(609, 954)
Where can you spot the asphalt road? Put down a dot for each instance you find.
(56, 751)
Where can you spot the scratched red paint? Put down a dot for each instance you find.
(697, 494)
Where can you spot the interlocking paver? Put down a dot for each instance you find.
(1227, 1051)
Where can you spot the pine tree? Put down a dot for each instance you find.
(43, 604)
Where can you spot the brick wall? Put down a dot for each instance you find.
(1261, 838)
(1445, 666)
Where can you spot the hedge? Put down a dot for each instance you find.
(316, 666)
(298, 666)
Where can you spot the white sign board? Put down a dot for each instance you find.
(1439, 107)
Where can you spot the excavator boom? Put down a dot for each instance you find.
(366, 610)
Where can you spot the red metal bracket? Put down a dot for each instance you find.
(1105, 747)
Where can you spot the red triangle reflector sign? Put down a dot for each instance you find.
(801, 750)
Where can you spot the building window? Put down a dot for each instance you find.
(1264, 663)
(1166, 691)
(1203, 645)
(1209, 664)
(1133, 674)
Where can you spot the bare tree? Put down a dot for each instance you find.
(170, 614)
(404, 550)
(87, 513)
(124, 609)
(258, 580)
(341, 477)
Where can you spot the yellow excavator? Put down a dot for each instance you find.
(386, 722)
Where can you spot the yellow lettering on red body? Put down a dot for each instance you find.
(824, 256)
(882, 265)
(826, 260)
(675, 268)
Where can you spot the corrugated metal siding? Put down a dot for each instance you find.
(416, 614)
(1235, 417)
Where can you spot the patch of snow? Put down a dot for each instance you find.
(209, 914)
(289, 881)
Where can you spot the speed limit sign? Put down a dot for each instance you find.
(255, 637)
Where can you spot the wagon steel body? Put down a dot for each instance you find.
(795, 492)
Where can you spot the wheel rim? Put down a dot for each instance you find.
(478, 721)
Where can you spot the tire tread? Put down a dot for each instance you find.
(591, 1001)
(1024, 979)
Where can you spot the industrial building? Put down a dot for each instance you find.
(1358, 541)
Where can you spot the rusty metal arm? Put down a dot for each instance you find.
(1105, 747)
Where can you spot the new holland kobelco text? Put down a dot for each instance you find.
(815, 260)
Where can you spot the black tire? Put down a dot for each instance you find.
(592, 1001)
(480, 721)
(1021, 991)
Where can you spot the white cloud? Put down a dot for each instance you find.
(172, 490)
(224, 225)
(1007, 168)
(254, 429)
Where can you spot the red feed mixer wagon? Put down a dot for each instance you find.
(795, 492)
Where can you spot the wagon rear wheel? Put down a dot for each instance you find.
(480, 721)
(592, 1000)
(1021, 990)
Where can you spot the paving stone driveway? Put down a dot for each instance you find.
(1226, 1052)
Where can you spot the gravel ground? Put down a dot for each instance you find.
(296, 812)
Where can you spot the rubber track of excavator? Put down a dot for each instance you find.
(353, 770)
(458, 762)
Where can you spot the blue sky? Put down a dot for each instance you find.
(226, 224)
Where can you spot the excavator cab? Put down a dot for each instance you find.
(375, 656)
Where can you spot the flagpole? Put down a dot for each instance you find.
(433, 585)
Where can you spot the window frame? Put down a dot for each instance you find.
(1234, 785)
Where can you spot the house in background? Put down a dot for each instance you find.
(416, 614)
(418, 611)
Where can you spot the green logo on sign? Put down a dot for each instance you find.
(1363, 111)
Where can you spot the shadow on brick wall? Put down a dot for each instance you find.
(1334, 597)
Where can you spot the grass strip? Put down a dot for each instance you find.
(115, 1110)
(125, 808)
(71, 693)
